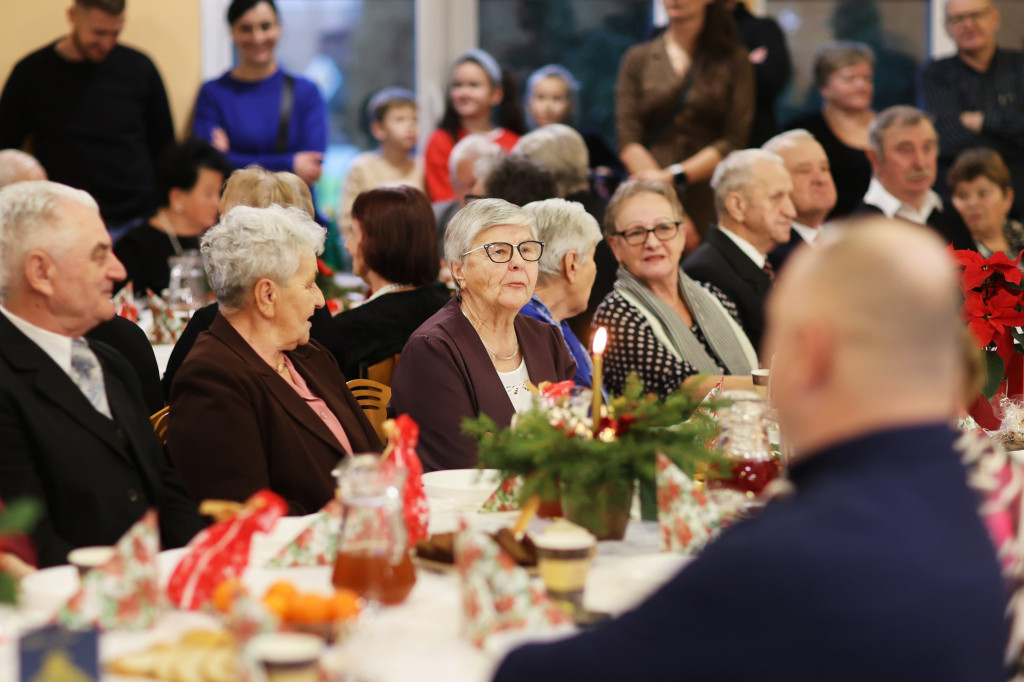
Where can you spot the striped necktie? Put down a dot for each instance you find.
(88, 376)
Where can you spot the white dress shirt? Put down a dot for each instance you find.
(746, 247)
(808, 234)
(879, 196)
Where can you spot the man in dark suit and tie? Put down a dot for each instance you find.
(814, 191)
(74, 431)
(877, 566)
(753, 197)
(903, 149)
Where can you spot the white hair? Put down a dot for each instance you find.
(473, 146)
(563, 226)
(735, 173)
(783, 140)
(17, 166)
(477, 216)
(560, 149)
(249, 244)
(31, 217)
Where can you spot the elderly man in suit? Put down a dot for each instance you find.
(74, 431)
(814, 191)
(754, 200)
(878, 567)
(903, 149)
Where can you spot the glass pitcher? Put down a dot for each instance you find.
(373, 550)
(186, 287)
(744, 442)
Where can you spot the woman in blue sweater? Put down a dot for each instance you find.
(256, 113)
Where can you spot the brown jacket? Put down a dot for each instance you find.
(718, 112)
(236, 426)
(445, 374)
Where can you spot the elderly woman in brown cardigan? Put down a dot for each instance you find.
(683, 101)
(256, 403)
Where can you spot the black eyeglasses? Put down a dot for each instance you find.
(638, 235)
(973, 17)
(501, 252)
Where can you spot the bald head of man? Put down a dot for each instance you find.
(17, 166)
(973, 24)
(863, 337)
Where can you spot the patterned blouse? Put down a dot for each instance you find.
(633, 346)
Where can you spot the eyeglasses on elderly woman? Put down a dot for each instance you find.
(501, 252)
(638, 235)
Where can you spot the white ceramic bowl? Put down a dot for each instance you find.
(467, 489)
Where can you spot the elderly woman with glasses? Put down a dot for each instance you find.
(662, 324)
(256, 403)
(475, 355)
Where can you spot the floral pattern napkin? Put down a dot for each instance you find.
(498, 594)
(315, 546)
(124, 303)
(166, 326)
(689, 515)
(506, 497)
(124, 593)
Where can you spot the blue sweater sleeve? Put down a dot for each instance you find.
(249, 115)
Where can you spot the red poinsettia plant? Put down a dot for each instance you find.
(993, 308)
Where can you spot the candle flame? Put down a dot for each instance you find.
(600, 340)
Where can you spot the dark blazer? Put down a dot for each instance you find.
(94, 476)
(948, 226)
(445, 375)
(720, 262)
(877, 568)
(237, 427)
(777, 257)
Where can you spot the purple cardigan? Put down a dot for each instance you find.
(445, 375)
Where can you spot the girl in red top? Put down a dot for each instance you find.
(477, 86)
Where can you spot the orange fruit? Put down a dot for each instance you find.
(344, 604)
(282, 588)
(226, 592)
(308, 609)
(277, 603)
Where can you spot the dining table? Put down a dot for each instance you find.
(418, 639)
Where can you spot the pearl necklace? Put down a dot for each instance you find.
(390, 288)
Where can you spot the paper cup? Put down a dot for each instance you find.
(87, 558)
(563, 560)
(288, 656)
(760, 378)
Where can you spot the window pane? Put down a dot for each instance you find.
(588, 37)
(897, 30)
(351, 48)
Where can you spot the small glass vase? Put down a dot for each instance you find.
(602, 509)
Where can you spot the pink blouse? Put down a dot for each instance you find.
(318, 406)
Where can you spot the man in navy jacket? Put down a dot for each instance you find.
(877, 567)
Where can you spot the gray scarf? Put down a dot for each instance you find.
(712, 319)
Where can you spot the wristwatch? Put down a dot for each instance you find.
(678, 174)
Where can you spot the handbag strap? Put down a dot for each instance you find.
(285, 117)
(677, 107)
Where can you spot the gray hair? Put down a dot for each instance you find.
(736, 172)
(474, 218)
(15, 165)
(249, 244)
(477, 147)
(563, 226)
(838, 55)
(552, 71)
(561, 150)
(31, 217)
(899, 116)
(783, 140)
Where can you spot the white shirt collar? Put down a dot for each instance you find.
(879, 196)
(57, 346)
(746, 247)
(808, 234)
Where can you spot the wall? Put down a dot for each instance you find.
(166, 30)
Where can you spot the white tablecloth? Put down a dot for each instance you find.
(416, 640)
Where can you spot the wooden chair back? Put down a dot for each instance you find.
(382, 371)
(160, 421)
(373, 397)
